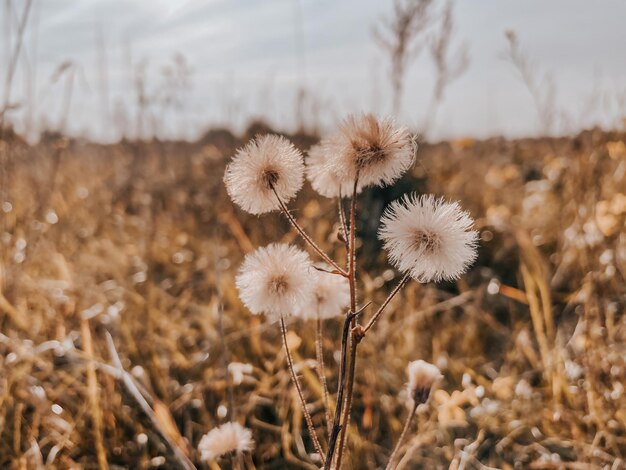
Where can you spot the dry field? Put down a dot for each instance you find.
(139, 241)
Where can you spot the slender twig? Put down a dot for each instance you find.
(347, 407)
(380, 310)
(296, 382)
(342, 221)
(336, 427)
(405, 431)
(352, 245)
(334, 434)
(306, 237)
(321, 370)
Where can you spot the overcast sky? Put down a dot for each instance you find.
(249, 58)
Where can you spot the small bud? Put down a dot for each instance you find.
(358, 332)
(341, 236)
(422, 377)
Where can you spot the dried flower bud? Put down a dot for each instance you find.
(422, 377)
(341, 236)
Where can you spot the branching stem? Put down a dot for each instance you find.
(349, 380)
(380, 310)
(306, 237)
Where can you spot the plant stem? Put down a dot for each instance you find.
(334, 434)
(405, 431)
(321, 370)
(306, 237)
(380, 310)
(347, 407)
(342, 221)
(296, 382)
(354, 342)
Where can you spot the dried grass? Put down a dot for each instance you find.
(132, 239)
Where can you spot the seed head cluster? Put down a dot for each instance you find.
(425, 237)
(280, 279)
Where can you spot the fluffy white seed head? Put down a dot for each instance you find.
(331, 295)
(377, 149)
(267, 162)
(429, 238)
(276, 280)
(422, 377)
(228, 438)
(323, 175)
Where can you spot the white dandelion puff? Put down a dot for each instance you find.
(422, 377)
(377, 149)
(268, 163)
(428, 238)
(323, 176)
(226, 439)
(331, 295)
(276, 280)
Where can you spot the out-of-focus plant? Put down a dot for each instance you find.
(400, 36)
(540, 86)
(418, 25)
(449, 64)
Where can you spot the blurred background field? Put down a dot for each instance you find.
(139, 239)
(136, 238)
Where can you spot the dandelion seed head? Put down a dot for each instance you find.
(378, 150)
(225, 439)
(331, 295)
(323, 176)
(429, 238)
(422, 377)
(276, 280)
(267, 163)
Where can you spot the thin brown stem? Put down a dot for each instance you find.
(321, 370)
(405, 431)
(296, 382)
(342, 221)
(352, 249)
(354, 341)
(380, 310)
(336, 428)
(306, 237)
(347, 407)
